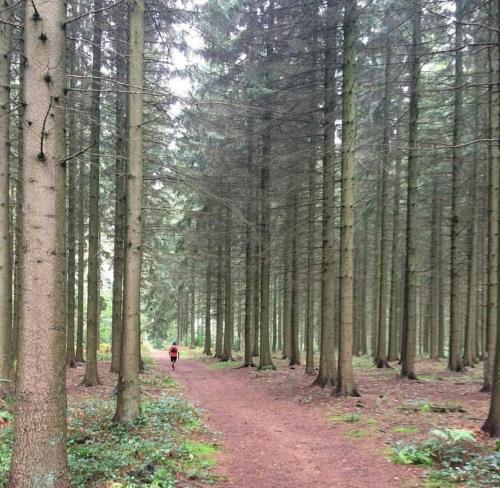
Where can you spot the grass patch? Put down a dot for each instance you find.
(161, 381)
(358, 433)
(406, 430)
(225, 364)
(349, 418)
(153, 452)
(434, 407)
(198, 458)
(362, 362)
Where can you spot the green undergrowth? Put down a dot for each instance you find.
(406, 430)
(161, 447)
(225, 364)
(365, 426)
(433, 407)
(455, 459)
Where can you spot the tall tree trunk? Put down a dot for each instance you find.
(327, 370)
(192, 338)
(433, 315)
(454, 360)
(249, 288)
(345, 384)
(128, 404)
(494, 211)
(410, 288)
(311, 217)
(6, 356)
(91, 375)
(295, 320)
(39, 450)
(470, 357)
(274, 346)
(256, 284)
(71, 228)
(492, 424)
(19, 204)
(81, 258)
(220, 303)
(265, 245)
(119, 236)
(207, 349)
(381, 354)
(287, 283)
(392, 354)
(228, 291)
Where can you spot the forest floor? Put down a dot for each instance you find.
(278, 431)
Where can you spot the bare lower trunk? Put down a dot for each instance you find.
(128, 404)
(493, 226)
(295, 319)
(220, 304)
(454, 360)
(6, 356)
(91, 377)
(119, 244)
(381, 353)
(410, 293)
(345, 384)
(81, 260)
(228, 292)
(39, 451)
(265, 250)
(249, 290)
(392, 354)
(208, 303)
(327, 370)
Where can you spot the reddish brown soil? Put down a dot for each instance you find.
(281, 440)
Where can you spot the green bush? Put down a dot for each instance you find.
(455, 456)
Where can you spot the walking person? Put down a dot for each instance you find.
(174, 354)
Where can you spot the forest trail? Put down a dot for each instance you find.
(277, 442)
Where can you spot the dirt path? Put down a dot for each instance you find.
(277, 442)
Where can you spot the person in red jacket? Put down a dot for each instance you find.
(174, 354)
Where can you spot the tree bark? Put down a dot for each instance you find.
(265, 247)
(91, 375)
(410, 288)
(39, 450)
(392, 354)
(220, 304)
(71, 229)
(381, 354)
(249, 289)
(207, 349)
(81, 258)
(228, 291)
(6, 356)
(119, 237)
(327, 370)
(128, 404)
(433, 310)
(345, 384)
(295, 319)
(493, 204)
(454, 360)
